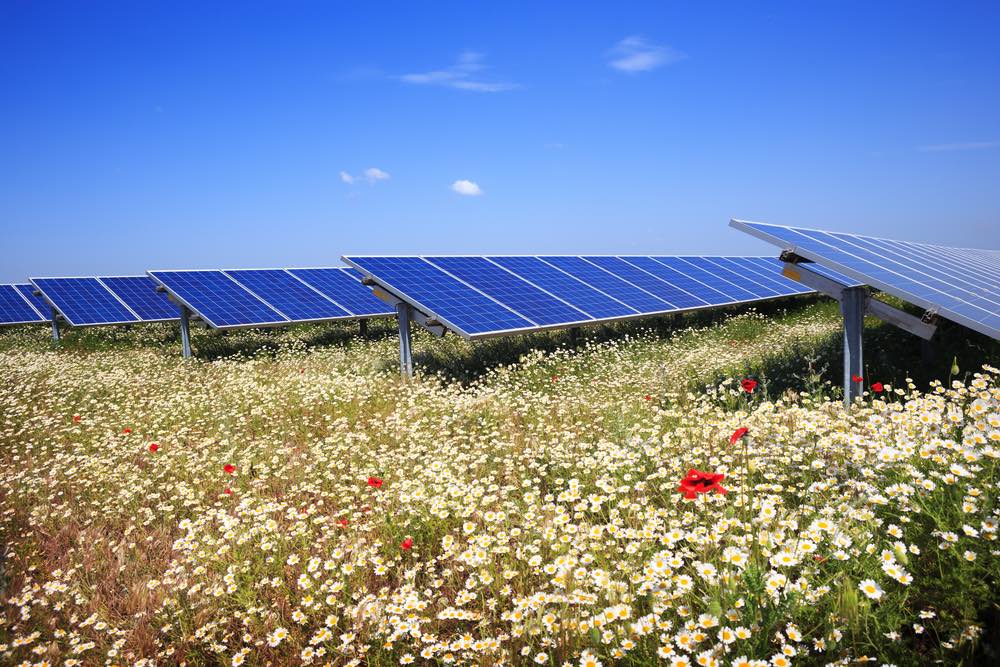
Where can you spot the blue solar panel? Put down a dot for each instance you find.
(289, 295)
(38, 302)
(217, 299)
(514, 292)
(769, 278)
(697, 269)
(433, 291)
(686, 282)
(139, 293)
(595, 303)
(15, 309)
(344, 286)
(608, 283)
(960, 284)
(672, 294)
(84, 301)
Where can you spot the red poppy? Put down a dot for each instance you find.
(748, 384)
(857, 378)
(153, 447)
(229, 468)
(375, 482)
(698, 481)
(76, 418)
(877, 387)
(127, 430)
(342, 522)
(555, 378)
(737, 434)
(648, 397)
(407, 544)
(227, 491)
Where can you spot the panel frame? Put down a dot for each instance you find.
(31, 306)
(100, 279)
(391, 312)
(748, 227)
(430, 313)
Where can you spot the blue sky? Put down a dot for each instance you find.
(140, 135)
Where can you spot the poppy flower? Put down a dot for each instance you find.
(227, 491)
(407, 544)
(698, 481)
(857, 378)
(229, 468)
(375, 482)
(648, 397)
(748, 384)
(76, 418)
(877, 387)
(737, 434)
(153, 447)
(342, 522)
(126, 430)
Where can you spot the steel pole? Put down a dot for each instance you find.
(403, 313)
(185, 332)
(852, 307)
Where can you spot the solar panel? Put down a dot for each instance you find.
(488, 296)
(292, 297)
(16, 309)
(960, 284)
(84, 301)
(139, 293)
(38, 302)
(343, 285)
(218, 299)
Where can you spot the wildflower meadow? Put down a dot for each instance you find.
(691, 496)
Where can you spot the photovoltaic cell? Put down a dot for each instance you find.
(672, 294)
(458, 305)
(217, 299)
(595, 303)
(84, 301)
(14, 309)
(608, 283)
(527, 300)
(289, 295)
(139, 293)
(38, 302)
(960, 284)
(697, 269)
(344, 286)
(686, 282)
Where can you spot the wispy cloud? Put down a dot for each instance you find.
(637, 54)
(960, 146)
(371, 175)
(463, 75)
(467, 188)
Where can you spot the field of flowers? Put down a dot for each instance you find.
(283, 502)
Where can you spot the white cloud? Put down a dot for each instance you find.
(636, 54)
(467, 188)
(961, 146)
(463, 75)
(373, 174)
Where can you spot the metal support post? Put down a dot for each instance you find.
(363, 328)
(403, 313)
(55, 326)
(574, 336)
(852, 307)
(185, 332)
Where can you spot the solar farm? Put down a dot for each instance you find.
(508, 459)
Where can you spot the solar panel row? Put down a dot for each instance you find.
(269, 297)
(94, 301)
(960, 284)
(488, 296)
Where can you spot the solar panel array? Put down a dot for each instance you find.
(271, 297)
(91, 301)
(19, 306)
(478, 296)
(961, 284)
